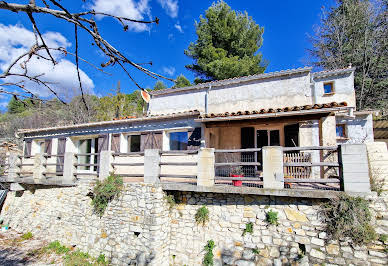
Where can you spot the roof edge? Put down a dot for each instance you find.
(111, 122)
(232, 81)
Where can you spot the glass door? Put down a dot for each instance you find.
(266, 138)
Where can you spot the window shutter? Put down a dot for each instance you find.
(61, 151)
(27, 148)
(194, 139)
(102, 143)
(157, 140)
(115, 143)
(48, 147)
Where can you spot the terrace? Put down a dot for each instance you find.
(319, 171)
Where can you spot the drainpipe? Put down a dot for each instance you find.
(207, 99)
(314, 92)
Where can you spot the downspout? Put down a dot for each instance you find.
(207, 99)
(313, 89)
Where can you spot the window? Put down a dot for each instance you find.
(178, 141)
(86, 146)
(328, 88)
(41, 147)
(341, 131)
(134, 143)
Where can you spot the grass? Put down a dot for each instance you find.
(27, 236)
(70, 258)
(170, 200)
(208, 258)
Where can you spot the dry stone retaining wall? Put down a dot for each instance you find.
(140, 227)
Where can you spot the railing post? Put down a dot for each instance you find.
(151, 166)
(105, 164)
(206, 171)
(68, 168)
(354, 169)
(39, 168)
(273, 176)
(13, 161)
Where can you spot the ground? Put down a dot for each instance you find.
(16, 251)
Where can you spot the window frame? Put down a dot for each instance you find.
(177, 131)
(128, 138)
(92, 169)
(332, 88)
(344, 130)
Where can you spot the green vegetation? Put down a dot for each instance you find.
(255, 251)
(272, 217)
(208, 258)
(105, 191)
(170, 200)
(202, 215)
(27, 236)
(354, 32)
(248, 228)
(226, 46)
(347, 216)
(57, 248)
(181, 81)
(383, 238)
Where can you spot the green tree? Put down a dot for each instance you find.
(16, 106)
(159, 85)
(355, 32)
(227, 45)
(181, 81)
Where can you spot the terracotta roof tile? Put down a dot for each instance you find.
(277, 110)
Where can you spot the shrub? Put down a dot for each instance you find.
(102, 260)
(272, 217)
(208, 258)
(26, 236)
(248, 228)
(105, 191)
(347, 216)
(202, 215)
(170, 200)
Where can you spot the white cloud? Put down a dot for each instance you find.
(178, 27)
(170, 6)
(125, 8)
(169, 70)
(63, 75)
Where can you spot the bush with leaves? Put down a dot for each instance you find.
(272, 217)
(208, 259)
(248, 228)
(105, 191)
(202, 215)
(347, 216)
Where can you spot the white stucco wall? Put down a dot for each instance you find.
(297, 89)
(358, 129)
(343, 89)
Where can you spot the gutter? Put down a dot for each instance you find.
(207, 99)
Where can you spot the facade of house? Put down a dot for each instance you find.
(288, 108)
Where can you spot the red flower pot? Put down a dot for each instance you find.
(237, 183)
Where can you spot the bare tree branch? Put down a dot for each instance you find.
(83, 20)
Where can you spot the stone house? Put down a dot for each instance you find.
(289, 108)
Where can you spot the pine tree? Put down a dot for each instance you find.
(227, 45)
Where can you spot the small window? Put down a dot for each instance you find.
(328, 87)
(134, 143)
(178, 141)
(341, 131)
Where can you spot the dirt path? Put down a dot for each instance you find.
(15, 251)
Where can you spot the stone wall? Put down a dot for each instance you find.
(133, 228)
(140, 226)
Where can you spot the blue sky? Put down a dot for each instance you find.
(286, 27)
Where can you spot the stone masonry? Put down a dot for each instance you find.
(140, 228)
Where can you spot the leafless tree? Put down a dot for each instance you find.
(85, 21)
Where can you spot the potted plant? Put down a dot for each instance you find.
(236, 171)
